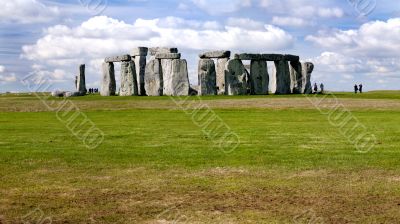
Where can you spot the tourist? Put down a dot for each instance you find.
(322, 88)
(355, 89)
(315, 88)
(361, 88)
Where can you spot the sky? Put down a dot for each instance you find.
(349, 41)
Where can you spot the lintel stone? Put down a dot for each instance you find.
(215, 54)
(121, 58)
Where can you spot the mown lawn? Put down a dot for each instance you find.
(156, 165)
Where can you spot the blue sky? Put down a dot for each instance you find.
(349, 41)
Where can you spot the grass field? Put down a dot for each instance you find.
(156, 165)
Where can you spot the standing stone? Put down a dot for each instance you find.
(175, 77)
(236, 78)
(154, 78)
(108, 85)
(140, 62)
(207, 77)
(81, 83)
(296, 80)
(282, 75)
(259, 78)
(128, 79)
(221, 63)
(307, 69)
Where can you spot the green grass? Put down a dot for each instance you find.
(156, 165)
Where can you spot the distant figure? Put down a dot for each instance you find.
(360, 88)
(322, 88)
(355, 89)
(315, 88)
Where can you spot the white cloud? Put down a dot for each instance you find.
(373, 39)
(221, 6)
(26, 11)
(245, 23)
(2, 68)
(289, 21)
(330, 12)
(102, 36)
(6, 77)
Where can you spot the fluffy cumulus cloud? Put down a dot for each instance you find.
(290, 21)
(373, 39)
(221, 6)
(101, 36)
(26, 11)
(6, 77)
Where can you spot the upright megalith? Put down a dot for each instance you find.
(221, 64)
(307, 69)
(129, 85)
(259, 77)
(282, 77)
(236, 78)
(175, 77)
(296, 79)
(139, 55)
(108, 85)
(207, 77)
(154, 78)
(81, 82)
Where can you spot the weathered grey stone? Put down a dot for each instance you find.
(236, 78)
(139, 51)
(207, 77)
(156, 50)
(307, 69)
(57, 93)
(128, 79)
(81, 83)
(282, 75)
(73, 94)
(259, 78)
(296, 80)
(215, 54)
(154, 78)
(221, 64)
(289, 57)
(140, 62)
(118, 58)
(175, 77)
(168, 56)
(259, 57)
(108, 85)
(193, 90)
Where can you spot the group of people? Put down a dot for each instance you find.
(321, 86)
(358, 88)
(93, 90)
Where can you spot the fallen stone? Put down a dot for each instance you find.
(175, 77)
(236, 78)
(154, 78)
(221, 64)
(139, 51)
(108, 85)
(296, 79)
(128, 79)
(140, 62)
(168, 56)
(81, 83)
(155, 50)
(282, 75)
(57, 93)
(259, 78)
(215, 54)
(118, 58)
(74, 94)
(307, 69)
(207, 77)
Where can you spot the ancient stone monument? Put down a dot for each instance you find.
(207, 77)
(167, 74)
(81, 81)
